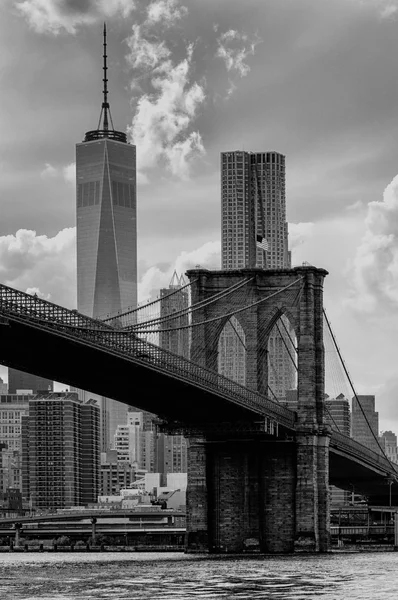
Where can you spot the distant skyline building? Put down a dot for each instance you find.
(115, 475)
(60, 451)
(363, 412)
(254, 233)
(135, 445)
(12, 408)
(106, 232)
(19, 380)
(3, 387)
(171, 454)
(338, 414)
(175, 299)
(388, 441)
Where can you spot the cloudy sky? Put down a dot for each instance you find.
(313, 79)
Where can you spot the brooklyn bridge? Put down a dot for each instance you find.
(259, 472)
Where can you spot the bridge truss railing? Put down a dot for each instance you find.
(31, 306)
(69, 323)
(354, 448)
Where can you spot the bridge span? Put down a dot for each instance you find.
(258, 473)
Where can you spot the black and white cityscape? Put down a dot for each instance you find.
(198, 294)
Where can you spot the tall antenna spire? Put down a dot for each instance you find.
(105, 104)
(105, 115)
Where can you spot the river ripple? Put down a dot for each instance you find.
(174, 576)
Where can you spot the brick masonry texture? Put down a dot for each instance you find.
(268, 496)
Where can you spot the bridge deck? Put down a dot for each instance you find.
(77, 337)
(52, 341)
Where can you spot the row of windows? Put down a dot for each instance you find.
(14, 399)
(255, 157)
(123, 194)
(89, 193)
(10, 415)
(10, 429)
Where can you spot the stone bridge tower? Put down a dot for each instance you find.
(268, 494)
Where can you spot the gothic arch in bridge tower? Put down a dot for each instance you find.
(269, 306)
(231, 351)
(282, 358)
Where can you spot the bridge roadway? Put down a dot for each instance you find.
(51, 341)
(84, 522)
(161, 515)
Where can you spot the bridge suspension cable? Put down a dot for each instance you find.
(175, 341)
(293, 362)
(231, 313)
(189, 309)
(353, 389)
(157, 301)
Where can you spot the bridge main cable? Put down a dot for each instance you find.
(227, 315)
(144, 306)
(353, 390)
(190, 309)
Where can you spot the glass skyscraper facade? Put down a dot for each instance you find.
(106, 232)
(106, 227)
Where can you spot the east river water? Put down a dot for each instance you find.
(174, 576)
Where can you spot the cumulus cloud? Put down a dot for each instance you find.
(143, 52)
(49, 172)
(68, 173)
(234, 48)
(207, 256)
(167, 12)
(54, 16)
(299, 233)
(168, 104)
(374, 270)
(354, 206)
(388, 11)
(35, 291)
(162, 125)
(163, 117)
(40, 264)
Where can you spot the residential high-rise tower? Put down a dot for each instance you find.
(106, 231)
(255, 234)
(60, 451)
(253, 210)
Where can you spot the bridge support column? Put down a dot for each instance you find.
(250, 497)
(93, 530)
(312, 492)
(18, 528)
(278, 497)
(197, 502)
(233, 485)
